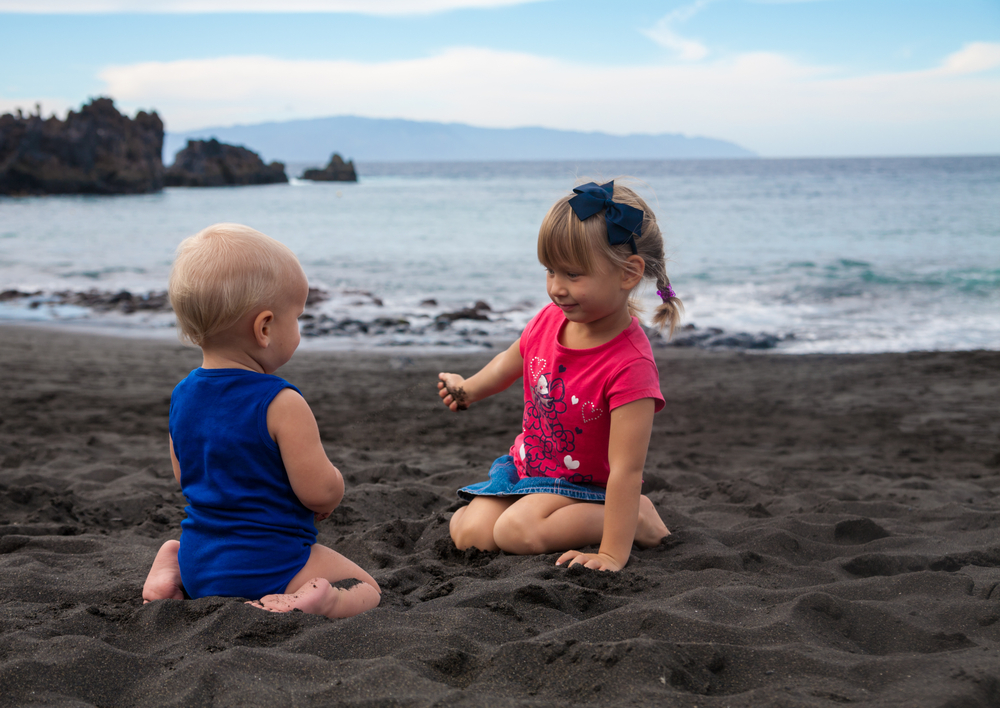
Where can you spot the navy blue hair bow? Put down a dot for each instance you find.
(624, 221)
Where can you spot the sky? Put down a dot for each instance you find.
(784, 78)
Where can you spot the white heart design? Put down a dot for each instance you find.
(591, 412)
(537, 367)
(575, 400)
(570, 463)
(522, 451)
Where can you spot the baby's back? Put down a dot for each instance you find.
(246, 533)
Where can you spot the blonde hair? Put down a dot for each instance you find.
(222, 273)
(564, 240)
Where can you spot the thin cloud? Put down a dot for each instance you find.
(973, 58)
(365, 7)
(665, 34)
(764, 101)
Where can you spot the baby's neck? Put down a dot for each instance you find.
(228, 358)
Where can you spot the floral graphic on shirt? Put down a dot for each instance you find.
(546, 441)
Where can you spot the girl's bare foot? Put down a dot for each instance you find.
(164, 579)
(318, 597)
(650, 530)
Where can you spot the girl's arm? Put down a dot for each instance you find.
(505, 368)
(314, 479)
(631, 427)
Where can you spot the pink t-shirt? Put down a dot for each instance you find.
(569, 395)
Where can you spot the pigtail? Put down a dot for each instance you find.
(650, 247)
(669, 312)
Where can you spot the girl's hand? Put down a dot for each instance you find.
(451, 389)
(595, 561)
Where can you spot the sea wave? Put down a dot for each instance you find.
(347, 318)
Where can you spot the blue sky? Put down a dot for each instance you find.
(781, 77)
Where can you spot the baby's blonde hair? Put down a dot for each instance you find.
(566, 241)
(222, 273)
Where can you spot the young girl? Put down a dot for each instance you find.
(574, 475)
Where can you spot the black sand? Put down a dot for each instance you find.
(836, 542)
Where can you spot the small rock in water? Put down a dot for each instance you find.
(466, 313)
(209, 163)
(316, 295)
(335, 171)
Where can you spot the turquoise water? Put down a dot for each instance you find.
(828, 255)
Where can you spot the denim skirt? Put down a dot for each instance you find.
(505, 482)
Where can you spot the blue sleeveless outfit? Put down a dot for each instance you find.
(246, 533)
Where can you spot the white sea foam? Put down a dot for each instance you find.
(824, 255)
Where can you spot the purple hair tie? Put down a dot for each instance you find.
(665, 294)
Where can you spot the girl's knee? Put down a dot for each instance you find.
(514, 534)
(470, 531)
(458, 530)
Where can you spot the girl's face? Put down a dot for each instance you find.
(587, 298)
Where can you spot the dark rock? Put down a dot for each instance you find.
(466, 313)
(209, 163)
(16, 295)
(745, 340)
(123, 300)
(316, 296)
(714, 338)
(336, 171)
(95, 151)
(364, 293)
(99, 300)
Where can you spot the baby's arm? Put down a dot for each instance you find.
(505, 368)
(631, 427)
(173, 460)
(314, 479)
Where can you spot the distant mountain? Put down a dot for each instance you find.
(396, 140)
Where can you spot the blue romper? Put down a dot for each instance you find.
(246, 533)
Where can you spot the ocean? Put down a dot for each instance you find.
(790, 255)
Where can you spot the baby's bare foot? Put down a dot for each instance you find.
(650, 530)
(164, 579)
(318, 597)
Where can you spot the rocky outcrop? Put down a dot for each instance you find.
(95, 151)
(209, 163)
(336, 171)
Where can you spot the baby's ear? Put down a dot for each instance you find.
(262, 328)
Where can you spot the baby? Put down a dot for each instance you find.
(244, 444)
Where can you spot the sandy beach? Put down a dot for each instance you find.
(836, 541)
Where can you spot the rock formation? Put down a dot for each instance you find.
(209, 163)
(95, 151)
(336, 171)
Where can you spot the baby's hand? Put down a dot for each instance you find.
(451, 391)
(595, 561)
